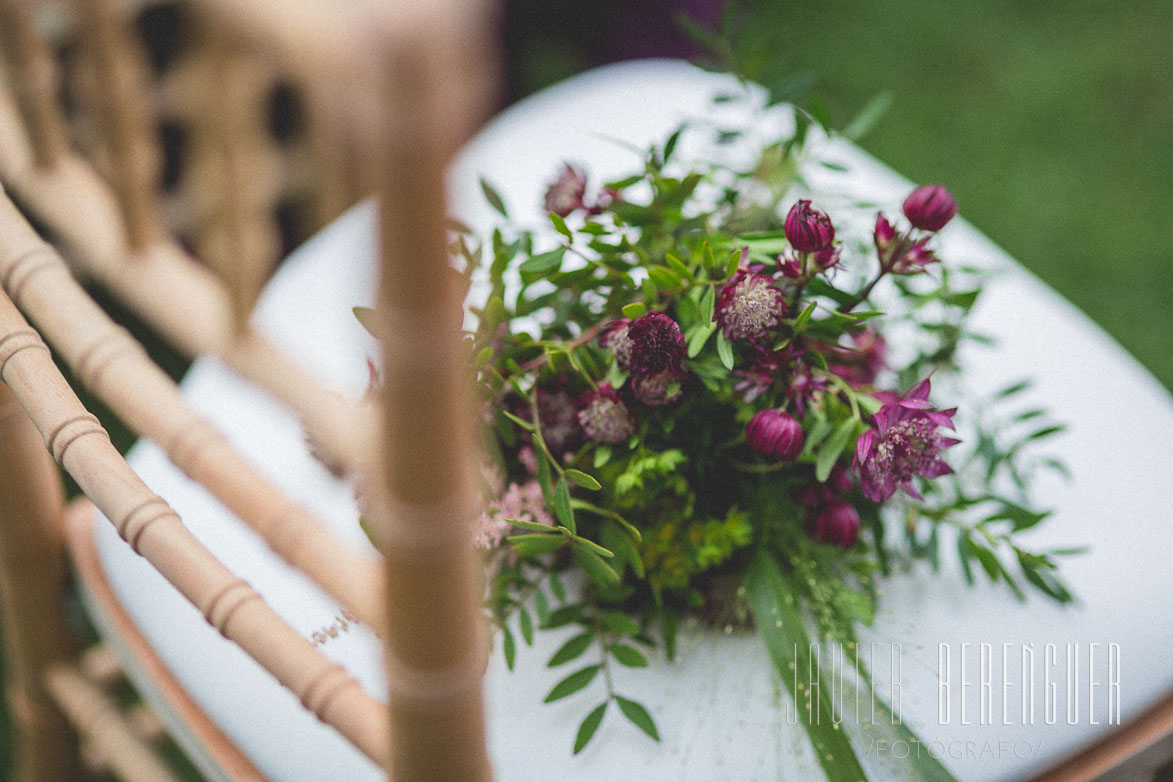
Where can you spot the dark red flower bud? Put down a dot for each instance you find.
(775, 434)
(567, 191)
(657, 345)
(929, 207)
(826, 257)
(807, 229)
(837, 523)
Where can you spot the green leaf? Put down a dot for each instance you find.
(780, 625)
(634, 310)
(670, 144)
(594, 548)
(509, 646)
(580, 478)
(1013, 388)
(725, 351)
(532, 526)
(664, 278)
(526, 425)
(835, 446)
(573, 683)
(564, 616)
(485, 355)
(571, 650)
(494, 198)
(595, 567)
(366, 318)
(532, 545)
(541, 607)
(602, 455)
(803, 317)
(562, 508)
(638, 715)
(526, 624)
(678, 266)
(628, 655)
(700, 336)
(557, 588)
(707, 304)
(620, 623)
(543, 263)
(560, 225)
(868, 116)
(590, 724)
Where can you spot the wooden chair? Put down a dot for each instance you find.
(418, 77)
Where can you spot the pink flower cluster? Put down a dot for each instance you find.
(523, 502)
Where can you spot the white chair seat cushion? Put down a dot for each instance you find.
(719, 709)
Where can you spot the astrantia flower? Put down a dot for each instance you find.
(904, 444)
(774, 434)
(749, 307)
(807, 229)
(616, 338)
(657, 345)
(914, 259)
(657, 390)
(566, 193)
(836, 523)
(603, 416)
(930, 207)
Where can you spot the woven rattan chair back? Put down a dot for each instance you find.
(109, 203)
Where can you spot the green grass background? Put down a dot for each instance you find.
(1052, 122)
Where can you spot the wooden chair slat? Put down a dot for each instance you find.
(115, 367)
(80, 445)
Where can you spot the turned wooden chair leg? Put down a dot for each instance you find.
(32, 583)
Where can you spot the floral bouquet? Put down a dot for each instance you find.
(694, 409)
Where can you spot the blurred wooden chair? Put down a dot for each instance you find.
(418, 77)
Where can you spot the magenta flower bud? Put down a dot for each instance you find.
(775, 434)
(837, 524)
(807, 229)
(749, 307)
(657, 345)
(603, 416)
(884, 235)
(566, 193)
(929, 207)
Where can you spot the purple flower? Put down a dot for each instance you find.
(774, 434)
(807, 229)
(657, 390)
(904, 444)
(836, 523)
(749, 307)
(929, 207)
(616, 338)
(657, 345)
(567, 191)
(604, 417)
